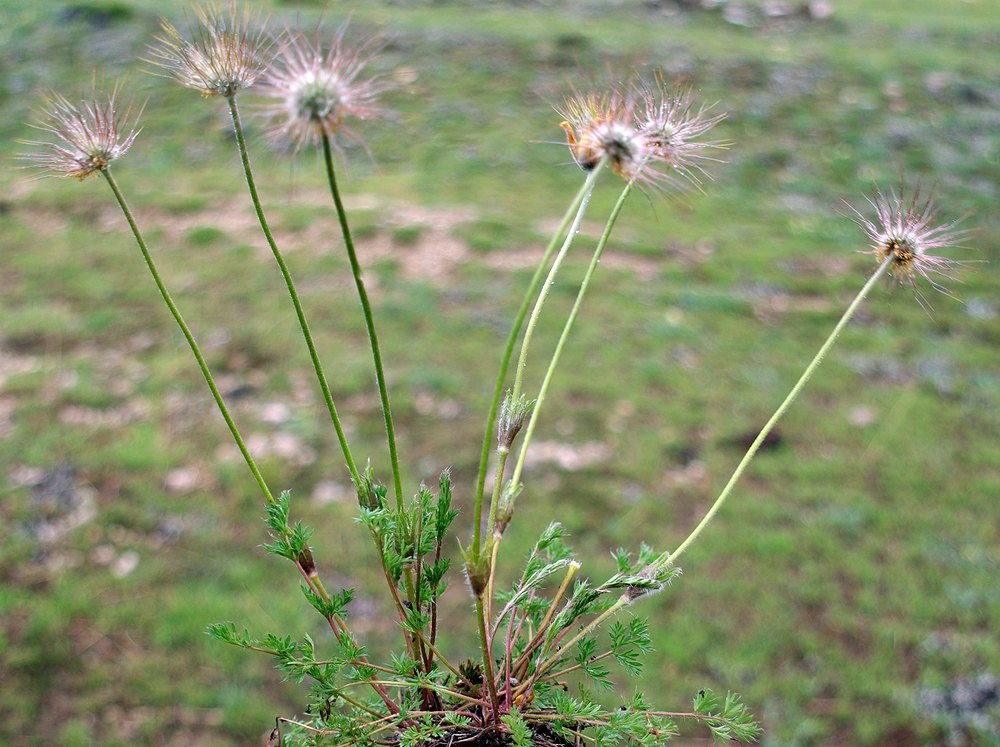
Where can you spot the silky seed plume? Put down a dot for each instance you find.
(228, 50)
(87, 136)
(314, 92)
(908, 230)
(646, 132)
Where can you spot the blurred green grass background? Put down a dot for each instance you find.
(851, 579)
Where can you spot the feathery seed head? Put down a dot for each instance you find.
(672, 125)
(647, 133)
(314, 92)
(907, 231)
(604, 126)
(88, 136)
(226, 53)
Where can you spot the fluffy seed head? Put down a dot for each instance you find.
(672, 126)
(226, 53)
(646, 132)
(604, 126)
(315, 92)
(908, 231)
(88, 136)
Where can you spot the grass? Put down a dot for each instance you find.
(855, 566)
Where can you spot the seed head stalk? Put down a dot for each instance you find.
(668, 558)
(568, 327)
(186, 331)
(491, 418)
(92, 137)
(383, 391)
(529, 329)
(369, 318)
(577, 209)
(550, 371)
(543, 294)
(293, 294)
(310, 575)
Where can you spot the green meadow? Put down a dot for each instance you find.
(848, 590)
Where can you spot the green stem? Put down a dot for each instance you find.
(491, 418)
(540, 636)
(383, 392)
(522, 358)
(669, 558)
(622, 601)
(491, 522)
(423, 685)
(185, 330)
(487, 659)
(567, 328)
(293, 294)
(313, 577)
(543, 294)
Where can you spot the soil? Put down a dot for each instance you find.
(491, 737)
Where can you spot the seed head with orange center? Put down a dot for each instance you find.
(88, 136)
(647, 133)
(603, 126)
(315, 92)
(227, 52)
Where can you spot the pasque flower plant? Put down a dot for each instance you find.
(554, 625)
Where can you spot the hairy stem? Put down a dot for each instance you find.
(567, 328)
(491, 580)
(669, 558)
(585, 190)
(539, 636)
(192, 343)
(587, 629)
(310, 577)
(487, 659)
(502, 456)
(359, 282)
(293, 294)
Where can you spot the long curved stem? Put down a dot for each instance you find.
(567, 328)
(293, 294)
(522, 358)
(366, 307)
(543, 294)
(192, 343)
(669, 558)
(309, 574)
(491, 418)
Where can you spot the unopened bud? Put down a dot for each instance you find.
(505, 507)
(369, 494)
(306, 561)
(477, 568)
(513, 413)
